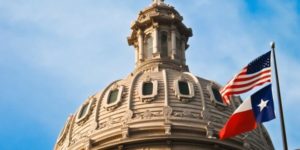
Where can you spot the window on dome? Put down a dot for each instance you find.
(164, 43)
(217, 95)
(147, 88)
(83, 110)
(148, 46)
(113, 95)
(184, 88)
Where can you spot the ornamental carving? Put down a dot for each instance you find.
(246, 144)
(168, 130)
(125, 133)
(147, 114)
(186, 114)
(88, 142)
(196, 115)
(148, 79)
(178, 114)
(147, 100)
(110, 122)
(205, 114)
(167, 111)
(185, 100)
(75, 139)
(115, 86)
(210, 130)
(102, 125)
(127, 117)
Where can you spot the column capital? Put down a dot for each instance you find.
(155, 25)
(140, 32)
(173, 27)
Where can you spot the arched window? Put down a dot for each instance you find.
(164, 43)
(83, 110)
(113, 96)
(178, 44)
(184, 88)
(147, 88)
(217, 95)
(148, 46)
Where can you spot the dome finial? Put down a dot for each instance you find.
(158, 1)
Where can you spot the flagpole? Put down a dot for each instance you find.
(284, 139)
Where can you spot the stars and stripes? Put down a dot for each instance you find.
(257, 109)
(254, 74)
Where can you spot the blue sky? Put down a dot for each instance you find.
(54, 54)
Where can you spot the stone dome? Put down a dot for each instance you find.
(160, 105)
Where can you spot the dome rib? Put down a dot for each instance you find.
(98, 105)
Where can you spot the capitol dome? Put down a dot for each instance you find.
(160, 105)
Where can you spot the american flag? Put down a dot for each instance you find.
(256, 73)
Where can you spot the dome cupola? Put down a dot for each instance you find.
(160, 38)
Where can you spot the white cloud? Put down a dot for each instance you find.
(71, 36)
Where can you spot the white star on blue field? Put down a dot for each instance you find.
(54, 54)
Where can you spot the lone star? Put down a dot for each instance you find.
(263, 104)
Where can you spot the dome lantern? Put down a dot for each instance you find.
(160, 38)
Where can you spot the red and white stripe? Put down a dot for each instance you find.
(242, 120)
(244, 82)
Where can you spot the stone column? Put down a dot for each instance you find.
(141, 49)
(183, 51)
(173, 39)
(155, 39)
(136, 56)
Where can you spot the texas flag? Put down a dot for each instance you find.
(257, 109)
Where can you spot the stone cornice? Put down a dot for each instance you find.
(159, 64)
